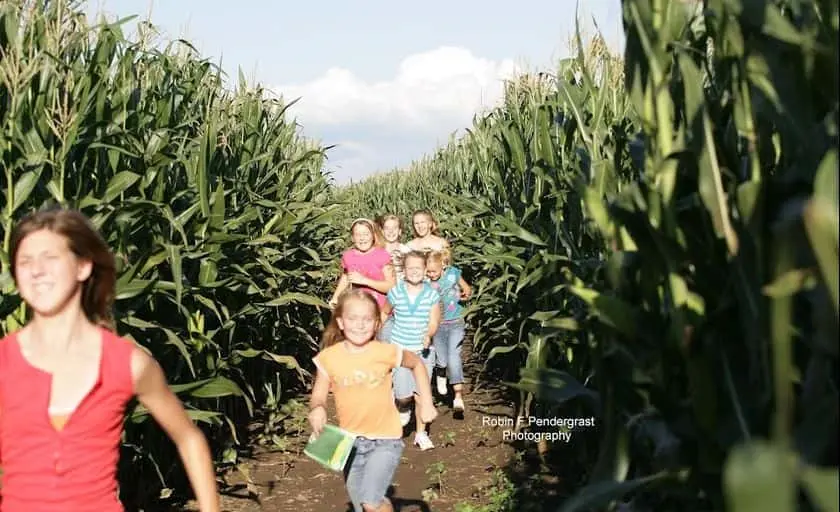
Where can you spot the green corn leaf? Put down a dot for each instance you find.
(757, 476)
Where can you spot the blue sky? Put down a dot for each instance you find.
(386, 81)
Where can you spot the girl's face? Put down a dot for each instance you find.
(422, 225)
(434, 269)
(391, 230)
(357, 321)
(47, 272)
(362, 237)
(414, 269)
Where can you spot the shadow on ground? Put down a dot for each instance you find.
(535, 482)
(399, 503)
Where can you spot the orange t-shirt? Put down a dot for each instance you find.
(361, 383)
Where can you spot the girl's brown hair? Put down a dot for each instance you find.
(332, 333)
(431, 217)
(378, 238)
(85, 241)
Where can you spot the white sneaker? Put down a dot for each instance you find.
(441, 385)
(423, 442)
(405, 417)
(458, 404)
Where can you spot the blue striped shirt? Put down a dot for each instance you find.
(411, 317)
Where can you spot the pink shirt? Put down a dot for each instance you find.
(370, 264)
(74, 468)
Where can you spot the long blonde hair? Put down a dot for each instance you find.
(442, 256)
(332, 333)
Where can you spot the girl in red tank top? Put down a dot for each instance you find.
(65, 379)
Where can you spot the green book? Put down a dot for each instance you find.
(332, 448)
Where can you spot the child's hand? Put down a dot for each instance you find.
(466, 292)
(357, 278)
(317, 419)
(427, 411)
(427, 342)
(333, 303)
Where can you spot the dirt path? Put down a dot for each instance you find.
(462, 468)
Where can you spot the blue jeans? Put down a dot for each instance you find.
(404, 385)
(386, 329)
(448, 341)
(370, 470)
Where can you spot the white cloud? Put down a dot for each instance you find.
(380, 125)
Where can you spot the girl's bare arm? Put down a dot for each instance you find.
(154, 393)
(320, 390)
(466, 289)
(318, 402)
(339, 288)
(434, 319)
(386, 310)
(385, 285)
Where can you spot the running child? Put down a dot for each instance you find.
(366, 265)
(66, 378)
(417, 312)
(426, 236)
(358, 370)
(449, 338)
(392, 229)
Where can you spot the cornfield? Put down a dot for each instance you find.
(654, 242)
(652, 238)
(209, 197)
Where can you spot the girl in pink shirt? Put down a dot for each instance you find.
(367, 264)
(66, 378)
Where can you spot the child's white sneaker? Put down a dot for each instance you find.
(405, 417)
(441, 385)
(423, 442)
(458, 404)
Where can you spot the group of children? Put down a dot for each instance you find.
(396, 316)
(396, 319)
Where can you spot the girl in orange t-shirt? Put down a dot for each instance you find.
(66, 378)
(357, 369)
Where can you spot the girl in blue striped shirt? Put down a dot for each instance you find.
(417, 312)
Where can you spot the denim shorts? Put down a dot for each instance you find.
(404, 385)
(370, 470)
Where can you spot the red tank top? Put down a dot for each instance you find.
(74, 468)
